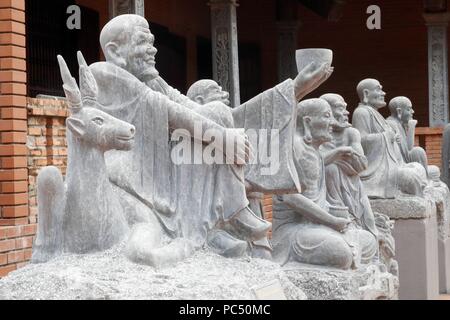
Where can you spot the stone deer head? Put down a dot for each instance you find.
(88, 124)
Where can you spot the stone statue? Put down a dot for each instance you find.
(307, 228)
(131, 89)
(84, 215)
(401, 120)
(215, 106)
(386, 174)
(344, 160)
(176, 197)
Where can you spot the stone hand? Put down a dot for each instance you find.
(341, 224)
(237, 146)
(348, 152)
(391, 136)
(398, 138)
(310, 78)
(412, 123)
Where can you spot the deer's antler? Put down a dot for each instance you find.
(88, 85)
(70, 86)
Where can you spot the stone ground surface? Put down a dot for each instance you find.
(321, 283)
(109, 275)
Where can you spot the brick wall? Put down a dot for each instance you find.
(431, 140)
(47, 145)
(15, 225)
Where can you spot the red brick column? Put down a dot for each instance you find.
(13, 136)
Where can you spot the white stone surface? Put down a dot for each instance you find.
(322, 283)
(110, 275)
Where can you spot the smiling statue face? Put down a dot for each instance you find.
(141, 54)
(375, 95)
(214, 92)
(339, 109)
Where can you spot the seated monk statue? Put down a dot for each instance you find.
(344, 160)
(401, 120)
(306, 228)
(215, 106)
(387, 176)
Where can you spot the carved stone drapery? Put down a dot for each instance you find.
(287, 44)
(437, 69)
(118, 7)
(225, 47)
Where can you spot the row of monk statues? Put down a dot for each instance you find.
(122, 184)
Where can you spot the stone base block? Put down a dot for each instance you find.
(444, 265)
(321, 283)
(416, 240)
(110, 275)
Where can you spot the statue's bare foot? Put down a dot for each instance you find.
(146, 247)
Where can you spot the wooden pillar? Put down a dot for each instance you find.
(287, 27)
(118, 7)
(437, 68)
(225, 58)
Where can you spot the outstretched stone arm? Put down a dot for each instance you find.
(181, 117)
(307, 208)
(310, 78)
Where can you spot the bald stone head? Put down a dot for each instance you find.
(401, 108)
(339, 109)
(206, 90)
(314, 117)
(370, 93)
(127, 42)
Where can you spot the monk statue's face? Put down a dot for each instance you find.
(374, 95)
(141, 54)
(319, 124)
(214, 92)
(407, 112)
(135, 53)
(340, 113)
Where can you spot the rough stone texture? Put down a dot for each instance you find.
(404, 207)
(321, 283)
(417, 255)
(439, 192)
(110, 275)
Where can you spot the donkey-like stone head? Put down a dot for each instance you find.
(90, 125)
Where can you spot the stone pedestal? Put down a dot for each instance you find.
(110, 275)
(440, 194)
(444, 265)
(416, 239)
(322, 283)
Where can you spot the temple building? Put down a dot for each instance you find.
(247, 46)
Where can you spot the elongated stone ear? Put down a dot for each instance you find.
(399, 113)
(366, 93)
(76, 126)
(70, 86)
(88, 85)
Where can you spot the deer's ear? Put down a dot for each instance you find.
(76, 126)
